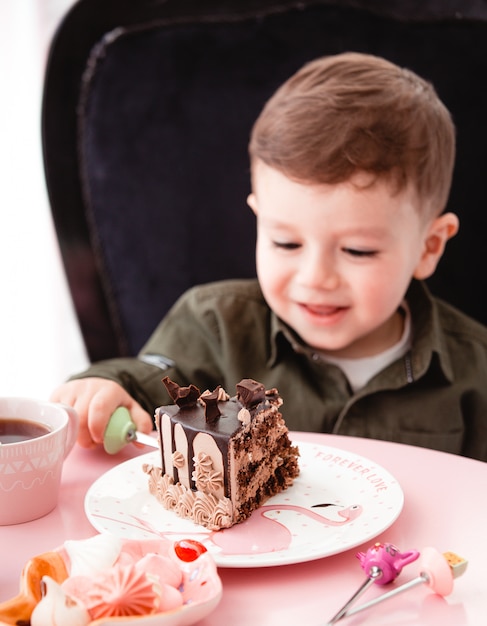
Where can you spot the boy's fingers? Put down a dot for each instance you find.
(95, 400)
(81, 406)
(140, 417)
(65, 394)
(101, 407)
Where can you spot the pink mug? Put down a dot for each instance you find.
(35, 438)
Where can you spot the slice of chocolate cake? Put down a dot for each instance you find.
(221, 457)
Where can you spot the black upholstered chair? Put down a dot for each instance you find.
(146, 115)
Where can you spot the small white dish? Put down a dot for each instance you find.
(202, 593)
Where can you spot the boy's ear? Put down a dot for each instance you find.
(439, 232)
(252, 202)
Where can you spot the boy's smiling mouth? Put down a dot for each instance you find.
(319, 312)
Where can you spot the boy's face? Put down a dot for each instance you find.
(334, 261)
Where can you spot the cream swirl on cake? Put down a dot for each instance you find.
(185, 503)
(178, 460)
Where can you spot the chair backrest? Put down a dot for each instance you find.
(146, 115)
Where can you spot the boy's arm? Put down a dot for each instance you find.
(185, 347)
(203, 340)
(182, 347)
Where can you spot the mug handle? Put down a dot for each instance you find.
(73, 427)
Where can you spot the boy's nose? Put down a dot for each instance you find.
(320, 274)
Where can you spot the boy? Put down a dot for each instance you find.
(351, 164)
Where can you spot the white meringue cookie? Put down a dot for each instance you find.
(90, 556)
(58, 609)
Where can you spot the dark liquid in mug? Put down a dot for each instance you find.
(14, 429)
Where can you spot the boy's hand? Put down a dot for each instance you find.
(95, 399)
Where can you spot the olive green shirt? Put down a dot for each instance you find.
(435, 396)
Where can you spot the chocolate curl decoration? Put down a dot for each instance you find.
(250, 392)
(212, 412)
(182, 396)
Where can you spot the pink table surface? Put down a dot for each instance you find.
(445, 507)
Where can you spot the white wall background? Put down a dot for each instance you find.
(40, 342)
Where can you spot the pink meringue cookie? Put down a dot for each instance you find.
(162, 568)
(77, 586)
(132, 550)
(170, 598)
(117, 592)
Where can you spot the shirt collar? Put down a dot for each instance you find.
(428, 335)
(282, 336)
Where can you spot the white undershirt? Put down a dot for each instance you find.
(360, 371)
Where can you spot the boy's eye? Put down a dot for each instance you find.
(360, 253)
(286, 245)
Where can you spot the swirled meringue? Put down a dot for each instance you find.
(118, 592)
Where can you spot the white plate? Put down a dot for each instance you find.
(358, 498)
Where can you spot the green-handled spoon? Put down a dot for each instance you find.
(121, 430)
